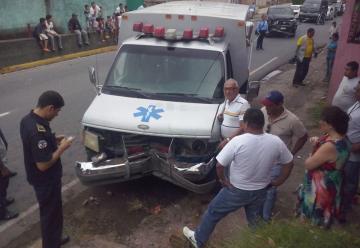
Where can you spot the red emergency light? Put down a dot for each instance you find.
(219, 32)
(148, 29)
(188, 34)
(138, 26)
(204, 33)
(159, 32)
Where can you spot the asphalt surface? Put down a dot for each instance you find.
(20, 90)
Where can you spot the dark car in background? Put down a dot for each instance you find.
(314, 11)
(281, 20)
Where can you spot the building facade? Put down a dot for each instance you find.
(348, 45)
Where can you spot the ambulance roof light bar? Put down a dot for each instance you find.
(188, 34)
(148, 29)
(159, 32)
(204, 33)
(219, 32)
(138, 26)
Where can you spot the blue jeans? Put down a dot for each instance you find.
(225, 202)
(329, 66)
(271, 194)
(351, 182)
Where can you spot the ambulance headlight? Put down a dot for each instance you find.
(91, 141)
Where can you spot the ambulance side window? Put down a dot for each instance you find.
(229, 69)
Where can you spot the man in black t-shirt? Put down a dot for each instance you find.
(75, 27)
(42, 151)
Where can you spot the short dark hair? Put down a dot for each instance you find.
(336, 118)
(48, 17)
(254, 118)
(353, 65)
(50, 97)
(42, 19)
(310, 30)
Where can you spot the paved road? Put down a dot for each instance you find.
(19, 91)
(279, 50)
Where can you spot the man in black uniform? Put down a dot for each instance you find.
(42, 151)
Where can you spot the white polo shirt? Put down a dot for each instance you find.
(233, 113)
(353, 132)
(344, 97)
(251, 158)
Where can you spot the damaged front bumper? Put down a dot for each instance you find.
(198, 178)
(195, 173)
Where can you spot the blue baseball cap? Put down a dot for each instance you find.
(273, 98)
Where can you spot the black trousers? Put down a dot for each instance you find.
(51, 214)
(260, 39)
(302, 69)
(4, 183)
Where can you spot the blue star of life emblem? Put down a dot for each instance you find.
(147, 113)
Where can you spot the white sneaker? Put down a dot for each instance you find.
(190, 235)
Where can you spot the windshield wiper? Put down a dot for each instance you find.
(137, 91)
(121, 87)
(204, 99)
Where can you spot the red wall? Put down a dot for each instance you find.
(346, 52)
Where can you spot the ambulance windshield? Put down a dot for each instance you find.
(154, 71)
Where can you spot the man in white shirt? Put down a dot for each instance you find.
(251, 157)
(51, 33)
(95, 12)
(232, 111)
(333, 29)
(120, 9)
(344, 96)
(352, 166)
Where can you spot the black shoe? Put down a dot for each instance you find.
(79, 45)
(64, 239)
(9, 215)
(12, 174)
(87, 44)
(9, 201)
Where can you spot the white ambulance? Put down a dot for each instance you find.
(156, 112)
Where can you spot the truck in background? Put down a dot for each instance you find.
(156, 113)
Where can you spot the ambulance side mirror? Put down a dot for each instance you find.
(248, 31)
(92, 75)
(253, 90)
(93, 79)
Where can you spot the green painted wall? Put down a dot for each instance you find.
(134, 4)
(16, 14)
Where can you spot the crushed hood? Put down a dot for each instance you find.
(151, 117)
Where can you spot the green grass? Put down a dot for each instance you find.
(315, 112)
(292, 234)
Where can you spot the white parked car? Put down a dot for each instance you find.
(331, 12)
(296, 9)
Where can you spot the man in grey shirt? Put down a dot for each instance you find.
(344, 96)
(352, 167)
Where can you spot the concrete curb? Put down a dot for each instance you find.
(48, 61)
